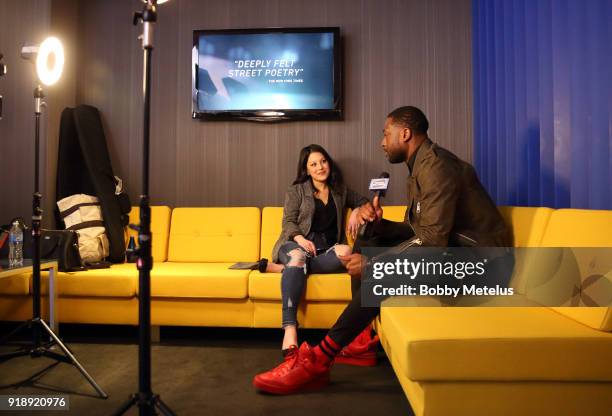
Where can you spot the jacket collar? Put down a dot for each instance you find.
(422, 154)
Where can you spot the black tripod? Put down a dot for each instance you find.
(37, 324)
(146, 401)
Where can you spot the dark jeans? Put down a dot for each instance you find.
(293, 279)
(355, 318)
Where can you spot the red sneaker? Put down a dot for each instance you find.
(298, 373)
(361, 351)
(288, 356)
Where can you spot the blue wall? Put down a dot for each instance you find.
(543, 101)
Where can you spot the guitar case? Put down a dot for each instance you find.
(84, 167)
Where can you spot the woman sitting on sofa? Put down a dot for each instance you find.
(313, 234)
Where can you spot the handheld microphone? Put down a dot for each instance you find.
(379, 186)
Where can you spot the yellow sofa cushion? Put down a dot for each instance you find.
(198, 280)
(494, 344)
(582, 228)
(271, 226)
(214, 235)
(319, 287)
(15, 284)
(527, 224)
(578, 228)
(394, 212)
(118, 281)
(160, 228)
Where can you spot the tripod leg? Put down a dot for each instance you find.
(73, 360)
(126, 406)
(14, 331)
(165, 410)
(7, 356)
(55, 356)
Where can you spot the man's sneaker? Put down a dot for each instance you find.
(360, 352)
(300, 372)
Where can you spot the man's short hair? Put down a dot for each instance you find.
(410, 117)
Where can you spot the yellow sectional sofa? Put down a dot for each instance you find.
(509, 361)
(450, 361)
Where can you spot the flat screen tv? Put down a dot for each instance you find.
(267, 74)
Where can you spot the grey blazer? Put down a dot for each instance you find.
(299, 211)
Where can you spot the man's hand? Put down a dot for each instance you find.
(371, 212)
(353, 263)
(377, 208)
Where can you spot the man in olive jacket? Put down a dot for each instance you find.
(447, 206)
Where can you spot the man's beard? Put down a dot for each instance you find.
(396, 157)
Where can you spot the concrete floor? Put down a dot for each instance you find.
(198, 371)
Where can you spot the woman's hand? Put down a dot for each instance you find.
(305, 244)
(355, 221)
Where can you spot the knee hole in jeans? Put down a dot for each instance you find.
(342, 250)
(297, 258)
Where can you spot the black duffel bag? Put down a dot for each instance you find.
(60, 245)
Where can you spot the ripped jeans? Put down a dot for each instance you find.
(298, 264)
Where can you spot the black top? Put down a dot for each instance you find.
(325, 222)
(413, 159)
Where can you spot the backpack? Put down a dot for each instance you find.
(82, 213)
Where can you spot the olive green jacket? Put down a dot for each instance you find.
(299, 211)
(447, 205)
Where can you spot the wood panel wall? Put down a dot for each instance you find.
(396, 52)
(21, 23)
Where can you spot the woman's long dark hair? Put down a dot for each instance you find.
(334, 180)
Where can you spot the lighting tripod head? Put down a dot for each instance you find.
(49, 61)
(148, 16)
(148, 13)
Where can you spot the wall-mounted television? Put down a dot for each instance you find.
(267, 74)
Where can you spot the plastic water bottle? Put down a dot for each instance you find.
(15, 245)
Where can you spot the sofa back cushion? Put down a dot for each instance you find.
(214, 235)
(394, 212)
(526, 223)
(271, 226)
(583, 228)
(160, 228)
(578, 228)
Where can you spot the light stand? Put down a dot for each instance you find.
(146, 401)
(37, 324)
